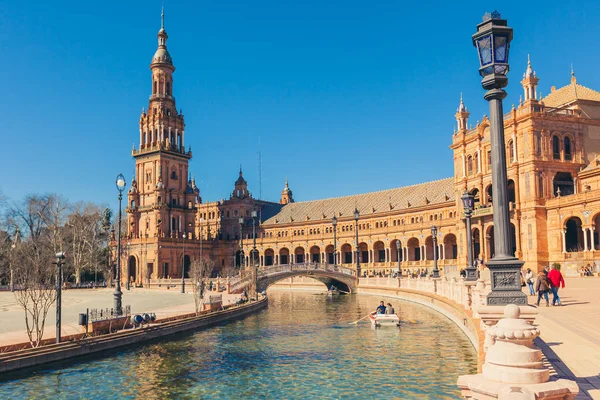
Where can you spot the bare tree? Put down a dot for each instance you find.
(200, 270)
(36, 287)
(40, 219)
(82, 234)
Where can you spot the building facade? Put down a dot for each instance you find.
(553, 148)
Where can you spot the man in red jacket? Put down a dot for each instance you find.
(556, 280)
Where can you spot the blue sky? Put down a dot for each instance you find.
(341, 97)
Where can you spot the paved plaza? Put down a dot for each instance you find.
(570, 339)
(162, 302)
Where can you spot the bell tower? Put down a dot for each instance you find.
(462, 116)
(286, 194)
(163, 203)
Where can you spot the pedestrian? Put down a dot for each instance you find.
(542, 287)
(556, 280)
(529, 281)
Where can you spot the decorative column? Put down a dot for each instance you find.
(513, 368)
(585, 239)
(592, 243)
(563, 233)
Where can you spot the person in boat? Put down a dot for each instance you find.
(389, 310)
(380, 308)
(332, 288)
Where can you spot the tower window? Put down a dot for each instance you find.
(168, 89)
(555, 148)
(174, 175)
(567, 147)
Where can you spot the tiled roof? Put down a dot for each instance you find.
(407, 197)
(570, 93)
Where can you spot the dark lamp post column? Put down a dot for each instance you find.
(356, 217)
(492, 41)
(59, 262)
(242, 257)
(436, 271)
(468, 202)
(398, 256)
(255, 262)
(334, 223)
(118, 294)
(183, 267)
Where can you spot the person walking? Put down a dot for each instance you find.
(556, 280)
(529, 281)
(541, 287)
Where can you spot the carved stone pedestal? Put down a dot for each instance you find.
(513, 367)
(505, 277)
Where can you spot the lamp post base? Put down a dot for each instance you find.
(505, 276)
(471, 274)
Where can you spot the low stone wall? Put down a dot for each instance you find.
(31, 357)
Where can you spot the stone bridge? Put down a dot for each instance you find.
(342, 278)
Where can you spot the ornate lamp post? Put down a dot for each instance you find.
(183, 266)
(255, 262)
(118, 294)
(468, 202)
(436, 271)
(356, 217)
(201, 237)
(59, 262)
(334, 223)
(13, 246)
(128, 283)
(242, 258)
(492, 41)
(398, 256)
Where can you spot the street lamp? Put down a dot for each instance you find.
(334, 223)
(398, 256)
(201, 234)
(242, 258)
(16, 240)
(255, 263)
(436, 271)
(492, 41)
(183, 266)
(128, 283)
(356, 217)
(468, 202)
(118, 294)
(59, 262)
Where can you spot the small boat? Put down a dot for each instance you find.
(384, 319)
(334, 292)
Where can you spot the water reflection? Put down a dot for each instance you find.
(301, 347)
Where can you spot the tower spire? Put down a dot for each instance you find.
(162, 17)
(462, 115)
(529, 82)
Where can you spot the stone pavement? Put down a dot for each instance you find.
(570, 336)
(164, 303)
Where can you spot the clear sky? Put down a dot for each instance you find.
(342, 97)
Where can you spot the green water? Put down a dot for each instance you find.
(300, 347)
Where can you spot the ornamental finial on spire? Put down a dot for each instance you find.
(529, 72)
(573, 79)
(461, 106)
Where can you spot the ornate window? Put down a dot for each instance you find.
(511, 151)
(538, 143)
(567, 148)
(470, 165)
(555, 148)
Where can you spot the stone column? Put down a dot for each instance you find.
(592, 244)
(513, 368)
(564, 240)
(585, 239)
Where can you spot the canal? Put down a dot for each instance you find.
(301, 347)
